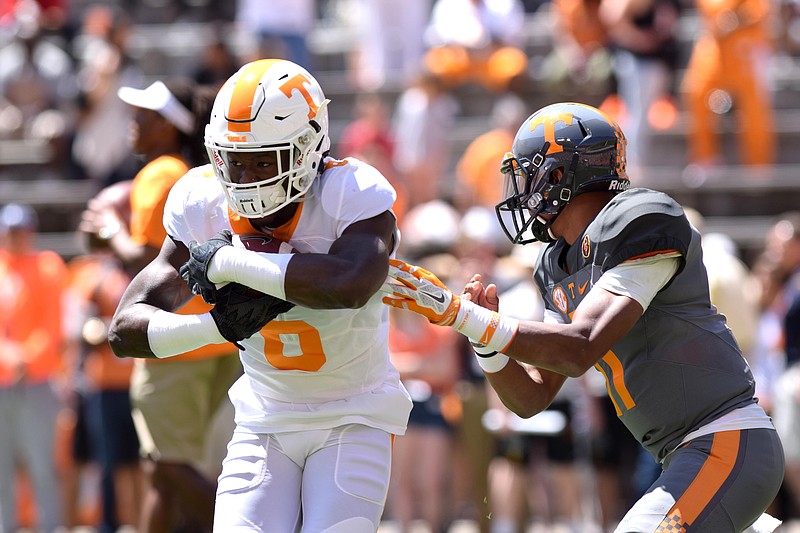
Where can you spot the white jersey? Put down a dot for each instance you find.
(308, 368)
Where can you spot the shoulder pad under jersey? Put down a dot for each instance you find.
(635, 224)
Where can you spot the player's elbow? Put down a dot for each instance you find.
(524, 411)
(577, 365)
(116, 340)
(523, 407)
(354, 292)
(575, 368)
(353, 297)
(122, 341)
(578, 355)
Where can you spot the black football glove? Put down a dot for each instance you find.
(195, 271)
(240, 311)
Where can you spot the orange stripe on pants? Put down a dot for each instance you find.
(714, 472)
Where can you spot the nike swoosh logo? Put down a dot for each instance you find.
(582, 288)
(439, 298)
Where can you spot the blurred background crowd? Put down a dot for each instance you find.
(431, 93)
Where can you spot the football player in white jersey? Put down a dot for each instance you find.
(319, 402)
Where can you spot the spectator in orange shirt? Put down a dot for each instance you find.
(174, 401)
(478, 170)
(31, 287)
(729, 66)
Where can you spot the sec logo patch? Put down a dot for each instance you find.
(586, 247)
(560, 299)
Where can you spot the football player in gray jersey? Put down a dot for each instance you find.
(626, 292)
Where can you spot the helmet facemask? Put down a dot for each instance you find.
(532, 189)
(561, 151)
(298, 165)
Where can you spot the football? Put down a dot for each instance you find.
(259, 242)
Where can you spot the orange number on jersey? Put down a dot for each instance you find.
(311, 356)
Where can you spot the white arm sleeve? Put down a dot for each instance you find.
(264, 272)
(171, 334)
(640, 279)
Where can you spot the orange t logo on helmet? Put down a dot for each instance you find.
(298, 82)
(548, 121)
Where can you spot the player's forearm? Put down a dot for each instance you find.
(147, 332)
(317, 281)
(322, 281)
(565, 349)
(127, 333)
(520, 393)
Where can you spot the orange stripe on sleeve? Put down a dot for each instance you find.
(653, 254)
(712, 475)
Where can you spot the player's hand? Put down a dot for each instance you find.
(485, 296)
(240, 312)
(195, 271)
(414, 288)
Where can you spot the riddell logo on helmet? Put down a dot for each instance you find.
(618, 185)
(218, 160)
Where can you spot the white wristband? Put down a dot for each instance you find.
(484, 326)
(263, 272)
(171, 334)
(489, 360)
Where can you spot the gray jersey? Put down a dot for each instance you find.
(679, 367)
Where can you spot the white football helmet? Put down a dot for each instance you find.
(269, 105)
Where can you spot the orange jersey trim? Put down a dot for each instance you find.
(243, 226)
(653, 254)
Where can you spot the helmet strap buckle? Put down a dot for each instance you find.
(538, 158)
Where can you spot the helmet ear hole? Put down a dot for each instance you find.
(555, 175)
